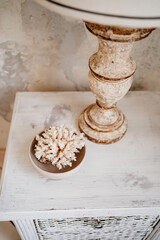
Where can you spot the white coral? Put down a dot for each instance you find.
(58, 145)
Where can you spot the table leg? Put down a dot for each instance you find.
(26, 229)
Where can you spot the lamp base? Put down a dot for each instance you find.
(110, 78)
(102, 133)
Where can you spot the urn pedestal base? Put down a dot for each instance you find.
(98, 131)
(110, 78)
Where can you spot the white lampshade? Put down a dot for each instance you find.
(129, 13)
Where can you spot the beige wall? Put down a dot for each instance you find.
(41, 51)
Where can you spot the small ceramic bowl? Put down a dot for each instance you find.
(52, 172)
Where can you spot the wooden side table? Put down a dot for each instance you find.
(115, 195)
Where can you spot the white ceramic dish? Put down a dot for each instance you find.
(52, 172)
(139, 14)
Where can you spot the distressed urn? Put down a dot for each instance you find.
(110, 77)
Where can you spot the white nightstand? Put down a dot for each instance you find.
(115, 195)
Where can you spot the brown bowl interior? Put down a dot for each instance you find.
(48, 167)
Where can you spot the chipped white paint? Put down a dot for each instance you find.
(109, 184)
(117, 179)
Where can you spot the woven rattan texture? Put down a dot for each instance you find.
(109, 228)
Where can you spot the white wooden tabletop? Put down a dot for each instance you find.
(118, 179)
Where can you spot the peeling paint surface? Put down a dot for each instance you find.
(58, 113)
(43, 51)
(140, 181)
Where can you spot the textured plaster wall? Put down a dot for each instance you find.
(44, 51)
